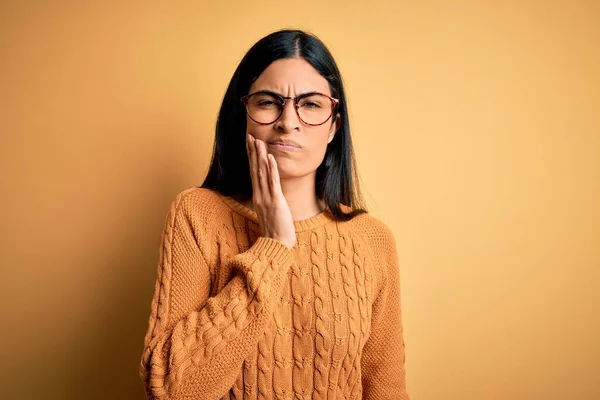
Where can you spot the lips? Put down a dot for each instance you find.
(285, 143)
(278, 147)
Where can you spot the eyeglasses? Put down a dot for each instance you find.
(265, 107)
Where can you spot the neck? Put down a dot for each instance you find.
(301, 197)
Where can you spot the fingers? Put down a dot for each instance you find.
(262, 167)
(274, 183)
(253, 163)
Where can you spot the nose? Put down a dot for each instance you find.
(288, 121)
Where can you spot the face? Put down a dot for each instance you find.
(307, 144)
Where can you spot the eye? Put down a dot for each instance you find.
(309, 104)
(266, 103)
(312, 102)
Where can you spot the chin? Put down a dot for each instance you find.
(285, 173)
(292, 171)
(287, 168)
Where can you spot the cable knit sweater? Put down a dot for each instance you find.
(239, 316)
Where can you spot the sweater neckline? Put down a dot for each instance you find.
(317, 221)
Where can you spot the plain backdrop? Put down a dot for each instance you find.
(477, 134)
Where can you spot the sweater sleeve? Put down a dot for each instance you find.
(383, 358)
(206, 347)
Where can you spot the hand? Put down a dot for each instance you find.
(270, 205)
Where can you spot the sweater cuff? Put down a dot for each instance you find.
(271, 249)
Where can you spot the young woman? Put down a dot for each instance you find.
(273, 282)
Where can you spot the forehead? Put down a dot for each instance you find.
(291, 77)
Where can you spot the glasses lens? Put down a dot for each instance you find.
(315, 109)
(264, 108)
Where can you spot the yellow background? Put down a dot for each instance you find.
(478, 142)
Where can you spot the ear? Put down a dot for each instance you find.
(334, 128)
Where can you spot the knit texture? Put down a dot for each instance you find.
(239, 316)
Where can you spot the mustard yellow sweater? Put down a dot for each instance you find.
(239, 316)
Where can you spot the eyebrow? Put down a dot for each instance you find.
(280, 95)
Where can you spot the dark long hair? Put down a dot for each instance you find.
(229, 173)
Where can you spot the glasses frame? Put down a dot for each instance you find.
(334, 104)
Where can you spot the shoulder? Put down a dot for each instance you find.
(196, 207)
(198, 213)
(197, 197)
(375, 232)
(197, 200)
(380, 242)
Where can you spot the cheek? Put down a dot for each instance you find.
(260, 132)
(318, 138)
(315, 146)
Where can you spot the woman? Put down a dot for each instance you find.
(273, 282)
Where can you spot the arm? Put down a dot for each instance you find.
(382, 362)
(209, 344)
